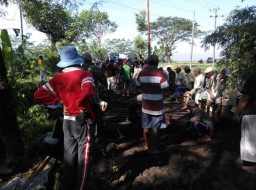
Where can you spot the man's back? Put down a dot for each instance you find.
(172, 76)
(152, 81)
(199, 81)
(66, 87)
(126, 72)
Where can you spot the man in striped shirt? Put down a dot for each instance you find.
(152, 82)
(74, 88)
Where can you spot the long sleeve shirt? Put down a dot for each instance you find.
(73, 87)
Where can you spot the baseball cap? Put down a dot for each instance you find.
(226, 72)
(187, 68)
(87, 57)
(191, 103)
(178, 69)
(153, 59)
(208, 69)
(197, 69)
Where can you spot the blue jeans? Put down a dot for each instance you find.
(42, 76)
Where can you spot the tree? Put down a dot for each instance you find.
(238, 40)
(2, 11)
(94, 25)
(140, 45)
(161, 52)
(52, 19)
(141, 21)
(168, 31)
(4, 2)
(98, 53)
(119, 45)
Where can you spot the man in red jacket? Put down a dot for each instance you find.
(74, 88)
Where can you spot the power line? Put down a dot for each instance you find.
(209, 3)
(171, 5)
(199, 4)
(119, 4)
(185, 10)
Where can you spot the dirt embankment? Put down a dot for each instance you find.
(121, 163)
(183, 163)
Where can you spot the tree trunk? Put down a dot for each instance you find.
(9, 130)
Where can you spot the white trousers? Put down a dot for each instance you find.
(248, 138)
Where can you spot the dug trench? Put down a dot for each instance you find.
(120, 162)
(183, 163)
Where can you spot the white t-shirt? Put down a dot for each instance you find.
(199, 81)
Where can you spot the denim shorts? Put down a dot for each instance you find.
(153, 121)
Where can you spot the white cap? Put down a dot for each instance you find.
(208, 69)
(140, 98)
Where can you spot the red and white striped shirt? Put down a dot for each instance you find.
(152, 81)
(73, 87)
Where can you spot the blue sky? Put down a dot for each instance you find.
(123, 13)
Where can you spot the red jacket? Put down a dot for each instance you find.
(73, 87)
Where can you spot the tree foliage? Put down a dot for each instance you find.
(141, 20)
(95, 24)
(140, 45)
(98, 53)
(237, 38)
(4, 2)
(167, 31)
(51, 19)
(69, 4)
(119, 45)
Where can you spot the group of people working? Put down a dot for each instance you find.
(76, 89)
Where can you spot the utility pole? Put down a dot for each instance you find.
(149, 49)
(21, 25)
(215, 25)
(192, 39)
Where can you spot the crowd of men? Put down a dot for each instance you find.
(202, 90)
(77, 85)
(76, 88)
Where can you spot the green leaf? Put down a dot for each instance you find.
(6, 48)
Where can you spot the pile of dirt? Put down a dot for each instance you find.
(183, 163)
(121, 163)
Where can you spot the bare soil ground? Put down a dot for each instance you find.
(183, 163)
(121, 163)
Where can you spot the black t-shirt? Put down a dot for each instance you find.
(172, 76)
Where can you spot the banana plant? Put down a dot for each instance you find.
(7, 50)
